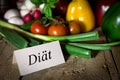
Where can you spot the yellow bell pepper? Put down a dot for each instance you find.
(80, 11)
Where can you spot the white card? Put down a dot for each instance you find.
(39, 57)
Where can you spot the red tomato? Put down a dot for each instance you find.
(58, 30)
(75, 28)
(36, 28)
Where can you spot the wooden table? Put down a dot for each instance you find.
(104, 66)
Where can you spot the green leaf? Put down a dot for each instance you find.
(52, 1)
(37, 2)
(13, 38)
(49, 4)
(52, 5)
(27, 25)
(47, 10)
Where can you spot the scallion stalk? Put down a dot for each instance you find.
(77, 51)
(13, 38)
(105, 46)
(73, 38)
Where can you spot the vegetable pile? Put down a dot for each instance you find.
(33, 24)
(68, 43)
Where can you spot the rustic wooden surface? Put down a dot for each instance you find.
(104, 66)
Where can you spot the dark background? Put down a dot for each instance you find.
(7, 4)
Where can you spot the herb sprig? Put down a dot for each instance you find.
(48, 5)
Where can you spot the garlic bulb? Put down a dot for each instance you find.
(16, 20)
(23, 12)
(11, 13)
(41, 6)
(29, 4)
(20, 5)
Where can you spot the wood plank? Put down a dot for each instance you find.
(7, 70)
(116, 55)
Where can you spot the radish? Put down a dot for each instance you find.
(37, 14)
(29, 4)
(27, 18)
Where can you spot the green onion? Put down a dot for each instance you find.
(86, 37)
(13, 38)
(105, 46)
(73, 38)
(77, 51)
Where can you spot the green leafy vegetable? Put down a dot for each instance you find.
(47, 10)
(37, 2)
(48, 5)
(27, 25)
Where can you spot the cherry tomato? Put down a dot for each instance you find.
(36, 28)
(74, 27)
(58, 30)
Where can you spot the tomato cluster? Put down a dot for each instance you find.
(58, 28)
